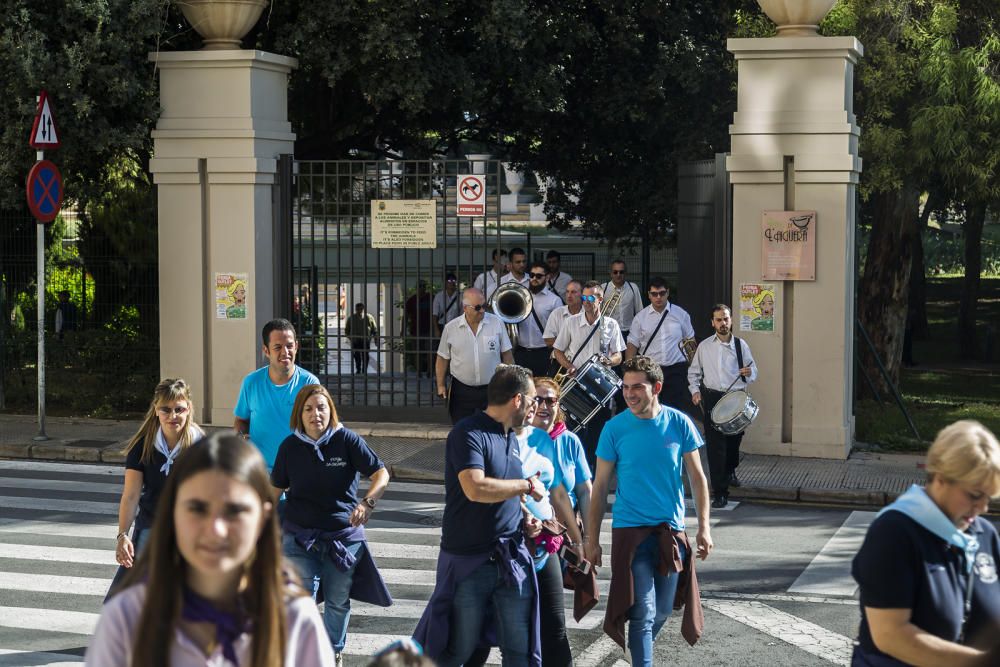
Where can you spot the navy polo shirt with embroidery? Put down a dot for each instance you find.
(470, 528)
(902, 565)
(322, 494)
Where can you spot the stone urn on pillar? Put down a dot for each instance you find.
(222, 23)
(797, 18)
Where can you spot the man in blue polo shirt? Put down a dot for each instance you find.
(264, 407)
(484, 563)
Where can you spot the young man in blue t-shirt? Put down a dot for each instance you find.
(264, 408)
(646, 446)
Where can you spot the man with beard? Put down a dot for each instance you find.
(518, 264)
(651, 557)
(532, 351)
(719, 361)
(484, 561)
(264, 407)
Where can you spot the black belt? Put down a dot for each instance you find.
(679, 364)
(468, 386)
(533, 349)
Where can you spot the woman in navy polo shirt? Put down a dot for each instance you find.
(167, 429)
(317, 467)
(928, 566)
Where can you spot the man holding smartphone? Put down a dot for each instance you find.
(651, 557)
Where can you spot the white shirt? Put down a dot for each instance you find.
(630, 304)
(440, 309)
(715, 365)
(509, 278)
(575, 330)
(486, 283)
(556, 319)
(474, 356)
(559, 282)
(664, 349)
(542, 304)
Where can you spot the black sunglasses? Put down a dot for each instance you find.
(547, 400)
(618, 273)
(476, 307)
(540, 276)
(661, 292)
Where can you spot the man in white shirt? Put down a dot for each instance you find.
(631, 298)
(558, 279)
(447, 304)
(720, 361)
(518, 265)
(532, 352)
(657, 331)
(582, 336)
(471, 347)
(488, 281)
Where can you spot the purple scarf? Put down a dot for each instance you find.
(228, 627)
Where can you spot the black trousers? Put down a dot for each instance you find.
(465, 399)
(675, 391)
(359, 352)
(591, 434)
(723, 450)
(535, 359)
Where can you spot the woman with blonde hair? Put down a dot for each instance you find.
(212, 587)
(927, 569)
(167, 429)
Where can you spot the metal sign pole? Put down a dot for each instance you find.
(40, 238)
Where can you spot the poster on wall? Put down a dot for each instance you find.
(404, 223)
(788, 245)
(757, 305)
(231, 296)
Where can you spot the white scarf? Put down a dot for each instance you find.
(319, 442)
(171, 454)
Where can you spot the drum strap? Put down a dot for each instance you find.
(666, 311)
(597, 326)
(739, 356)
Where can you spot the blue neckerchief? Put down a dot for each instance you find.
(917, 505)
(322, 440)
(228, 627)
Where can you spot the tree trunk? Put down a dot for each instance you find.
(968, 340)
(884, 288)
(918, 273)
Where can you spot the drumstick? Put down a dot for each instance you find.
(734, 381)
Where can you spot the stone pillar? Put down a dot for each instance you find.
(222, 126)
(795, 147)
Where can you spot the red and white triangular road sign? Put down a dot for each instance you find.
(44, 133)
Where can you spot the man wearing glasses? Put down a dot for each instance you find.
(471, 347)
(532, 351)
(631, 299)
(656, 333)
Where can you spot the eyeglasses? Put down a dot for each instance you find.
(588, 297)
(661, 292)
(179, 410)
(547, 400)
(476, 307)
(618, 273)
(451, 280)
(540, 276)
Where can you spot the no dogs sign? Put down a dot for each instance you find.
(471, 196)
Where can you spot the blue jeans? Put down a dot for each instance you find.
(317, 570)
(512, 608)
(654, 600)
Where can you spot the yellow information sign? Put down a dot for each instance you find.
(404, 223)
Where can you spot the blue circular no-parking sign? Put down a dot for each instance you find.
(45, 191)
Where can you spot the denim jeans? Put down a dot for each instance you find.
(654, 600)
(318, 570)
(511, 606)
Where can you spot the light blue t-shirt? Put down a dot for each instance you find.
(268, 407)
(567, 455)
(647, 454)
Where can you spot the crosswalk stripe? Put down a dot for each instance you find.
(58, 528)
(14, 658)
(410, 487)
(53, 583)
(76, 506)
(829, 573)
(57, 554)
(52, 620)
(60, 485)
(78, 468)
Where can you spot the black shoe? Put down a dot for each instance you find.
(720, 501)
(734, 480)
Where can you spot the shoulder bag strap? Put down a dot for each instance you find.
(666, 311)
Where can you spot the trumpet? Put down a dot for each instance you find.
(512, 303)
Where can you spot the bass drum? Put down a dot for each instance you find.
(734, 412)
(593, 387)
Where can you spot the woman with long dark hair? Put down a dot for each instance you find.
(167, 429)
(211, 587)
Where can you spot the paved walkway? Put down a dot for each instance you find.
(416, 452)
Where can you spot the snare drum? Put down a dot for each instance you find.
(734, 412)
(593, 387)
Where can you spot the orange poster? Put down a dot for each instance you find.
(788, 245)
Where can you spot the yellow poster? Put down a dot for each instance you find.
(231, 291)
(404, 223)
(757, 305)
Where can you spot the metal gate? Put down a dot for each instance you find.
(334, 267)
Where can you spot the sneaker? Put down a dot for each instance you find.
(338, 659)
(734, 480)
(720, 501)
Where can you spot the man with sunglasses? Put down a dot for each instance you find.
(471, 347)
(631, 299)
(532, 352)
(656, 333)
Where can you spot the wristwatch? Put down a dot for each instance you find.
(370, 502)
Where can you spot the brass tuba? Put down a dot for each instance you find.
(512, 303)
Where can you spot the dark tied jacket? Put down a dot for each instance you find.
(621, 596)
